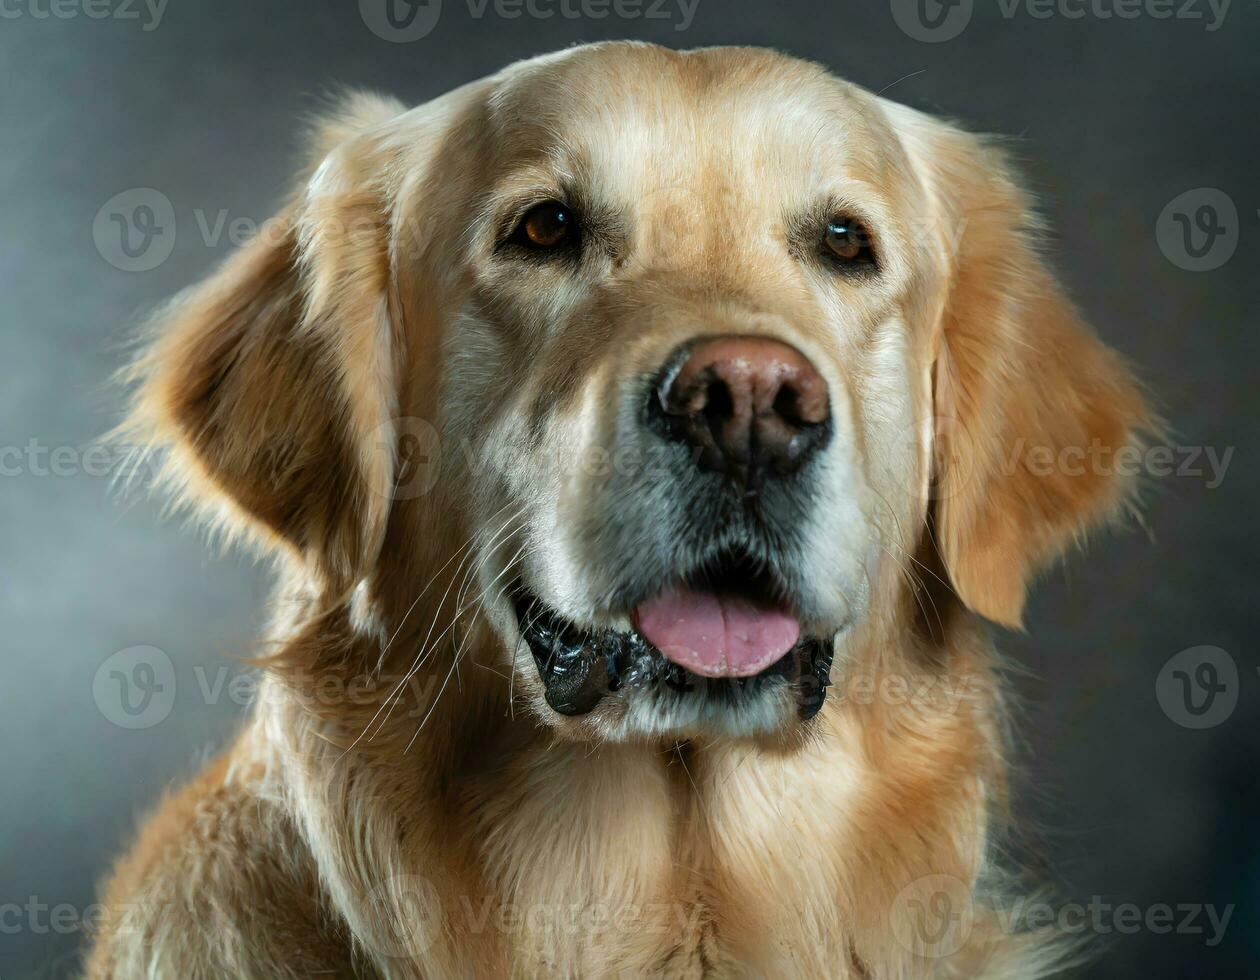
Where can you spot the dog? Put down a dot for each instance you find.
(647, 442)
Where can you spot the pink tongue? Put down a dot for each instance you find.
(716, 636)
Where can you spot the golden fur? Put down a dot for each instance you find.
(357, 828)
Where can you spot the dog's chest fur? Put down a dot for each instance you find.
(683, 862)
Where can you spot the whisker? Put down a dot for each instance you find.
(392, 698)
(459, 652)
(418, 662)
(464, 550)
(427, 647)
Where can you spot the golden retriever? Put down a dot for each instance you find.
(646, 440)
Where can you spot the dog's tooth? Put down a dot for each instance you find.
(613, 655)
(815, 678)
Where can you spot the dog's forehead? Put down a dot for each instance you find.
(644, 118)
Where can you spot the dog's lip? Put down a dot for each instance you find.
(579, 666)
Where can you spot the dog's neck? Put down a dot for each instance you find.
(696, 849)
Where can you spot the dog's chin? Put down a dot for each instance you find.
(615, 684)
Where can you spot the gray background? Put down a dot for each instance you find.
(1115, 118)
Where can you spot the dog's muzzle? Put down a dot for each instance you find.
(752, 412)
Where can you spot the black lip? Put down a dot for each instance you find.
(579, 667)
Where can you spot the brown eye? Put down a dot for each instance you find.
(545, 227)
(848, 241)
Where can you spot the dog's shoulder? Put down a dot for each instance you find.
(218, 883)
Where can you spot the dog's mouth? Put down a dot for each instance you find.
(725, 632)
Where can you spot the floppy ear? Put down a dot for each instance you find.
(1031, 408)
(272, 383)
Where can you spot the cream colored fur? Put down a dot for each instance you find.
(443, 822)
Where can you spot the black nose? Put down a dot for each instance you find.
(751, 407)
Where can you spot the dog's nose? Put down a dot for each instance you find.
(752, 407)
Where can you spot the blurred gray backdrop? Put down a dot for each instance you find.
(1136, 125)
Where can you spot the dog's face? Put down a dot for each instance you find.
(696, 343)
(684, 331)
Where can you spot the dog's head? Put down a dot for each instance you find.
(671, 365)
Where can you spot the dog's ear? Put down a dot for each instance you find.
(1037, 421)
(272, 384)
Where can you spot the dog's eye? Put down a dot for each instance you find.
(546, 227)
(848, 242)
